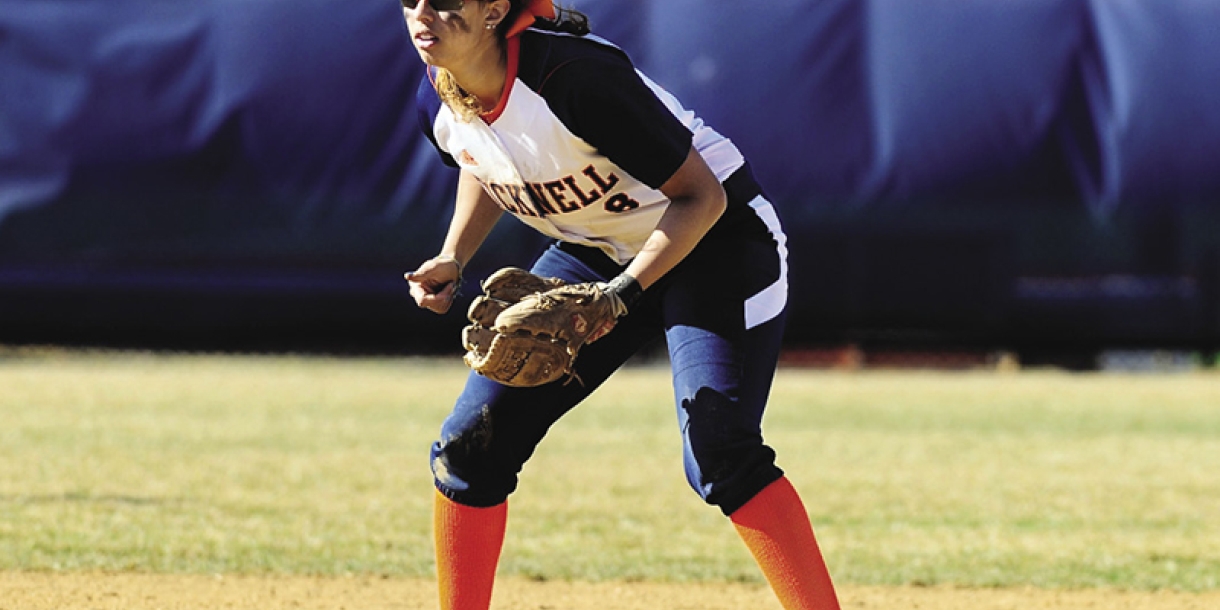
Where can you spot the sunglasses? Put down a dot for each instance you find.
(437, 5)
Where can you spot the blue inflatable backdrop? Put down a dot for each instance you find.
(223, 172)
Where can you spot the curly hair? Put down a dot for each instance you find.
(467, 106)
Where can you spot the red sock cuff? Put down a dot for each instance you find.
(776, 529)
(468, 542)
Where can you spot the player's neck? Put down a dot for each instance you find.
(484, 76)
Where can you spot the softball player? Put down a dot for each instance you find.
(556, 127)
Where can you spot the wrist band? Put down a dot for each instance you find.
(627, 289)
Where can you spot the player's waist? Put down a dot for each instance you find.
(740, 188)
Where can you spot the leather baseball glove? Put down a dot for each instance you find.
(526, 330)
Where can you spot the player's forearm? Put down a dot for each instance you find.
(696, 202)
(474, 216)
(676, 235)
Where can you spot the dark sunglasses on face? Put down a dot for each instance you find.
(437, 5)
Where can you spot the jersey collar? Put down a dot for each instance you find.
(510, 77)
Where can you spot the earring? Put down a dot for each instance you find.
(491, 26)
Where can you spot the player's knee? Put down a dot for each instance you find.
(443, 469)
(728, 478)
(727, 462)
(465, 468)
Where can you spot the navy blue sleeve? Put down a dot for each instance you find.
(427, 105)
(606, 103)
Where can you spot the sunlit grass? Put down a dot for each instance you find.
(121, 461)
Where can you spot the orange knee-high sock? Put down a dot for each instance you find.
(468, 542)
(777, 531)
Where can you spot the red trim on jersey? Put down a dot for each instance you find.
(510, 77)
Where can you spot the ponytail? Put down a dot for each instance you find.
(567, 20)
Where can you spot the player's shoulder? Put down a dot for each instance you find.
(546, 54)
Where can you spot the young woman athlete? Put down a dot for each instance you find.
(556, 127)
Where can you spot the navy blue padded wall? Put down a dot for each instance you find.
(239, 152)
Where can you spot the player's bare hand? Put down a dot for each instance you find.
(434, 284)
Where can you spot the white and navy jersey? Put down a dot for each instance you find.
(580, 143)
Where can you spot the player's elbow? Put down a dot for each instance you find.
(704, 206)
(695, 187)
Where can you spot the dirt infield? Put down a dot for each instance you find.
(41, 591)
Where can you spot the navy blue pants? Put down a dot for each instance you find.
(721, 311)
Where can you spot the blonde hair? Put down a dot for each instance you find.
(463, 104)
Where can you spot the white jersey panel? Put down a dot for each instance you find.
(770, 302)
(536, 169)
(718, 151)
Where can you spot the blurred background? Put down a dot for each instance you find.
(1034, 178)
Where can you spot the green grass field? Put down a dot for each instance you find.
(283, 465)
